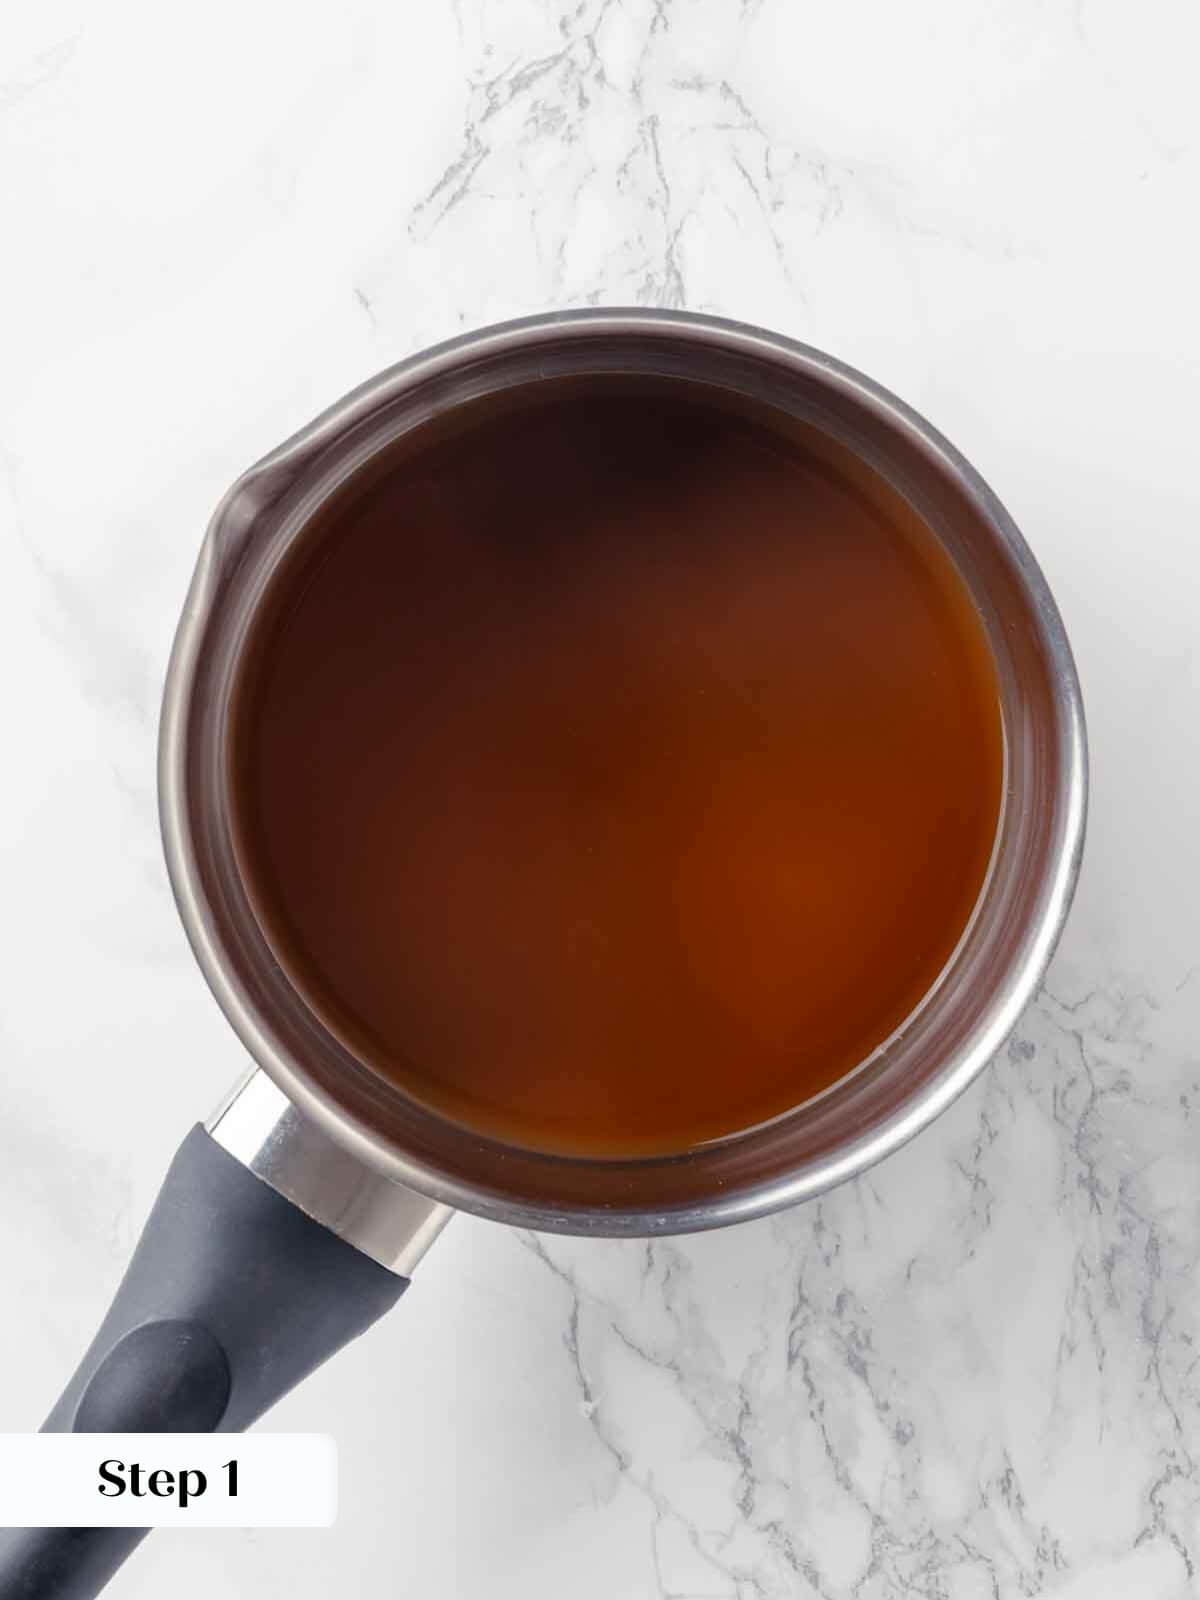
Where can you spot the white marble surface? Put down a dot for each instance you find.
(974, 1374)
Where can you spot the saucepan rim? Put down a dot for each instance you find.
(612, 1198)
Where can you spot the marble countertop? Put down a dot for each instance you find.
(975, 1373)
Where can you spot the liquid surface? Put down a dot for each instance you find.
(617, 774)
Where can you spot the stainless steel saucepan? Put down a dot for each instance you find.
(296, 1216)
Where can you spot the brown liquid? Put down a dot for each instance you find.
(620, 772)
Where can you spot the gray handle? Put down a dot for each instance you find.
(233, 1295)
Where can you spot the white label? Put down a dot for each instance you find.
(167, 1480)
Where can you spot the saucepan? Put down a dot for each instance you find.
(295, 1217)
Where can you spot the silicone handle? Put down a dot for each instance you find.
(233, 1295)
